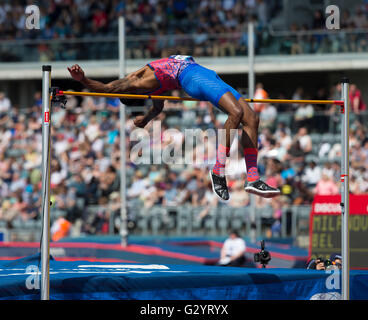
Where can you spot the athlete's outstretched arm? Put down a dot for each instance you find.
(153, 112)
(116, 86)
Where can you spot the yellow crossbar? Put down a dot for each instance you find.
(145, 96)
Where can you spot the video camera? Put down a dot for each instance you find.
(326, 262)
(263, 257)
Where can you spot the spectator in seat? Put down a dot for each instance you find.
(208, 202)
(4, 103)
(326, 186)
(312, 175)
(304, 115)
(260, 93)
(298, 95)
(318, 20)
(139, 185)
(356, 102)
(296, 154)
(360, 19)
(233, 251)
(239, 198)
(285, 139)
(60, 228)
(304, 140)
(268, 116)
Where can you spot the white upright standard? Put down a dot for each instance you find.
(123, 208)
(251, 86)
(345, 210)
(46, 128)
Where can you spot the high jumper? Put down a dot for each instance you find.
(182, 72)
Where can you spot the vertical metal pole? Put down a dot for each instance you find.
(345, 210)
(123, 208)
(251, 76)
(46, 128)
(251, 80)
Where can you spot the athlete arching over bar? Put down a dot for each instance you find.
(182, 72)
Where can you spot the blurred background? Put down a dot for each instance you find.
(296, 57)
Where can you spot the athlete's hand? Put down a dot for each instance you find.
(76, 72)
(140, 121)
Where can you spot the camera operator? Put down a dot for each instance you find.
(321, 264)
(336, 260)
(233, 251)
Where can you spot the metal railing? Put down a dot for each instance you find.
(184, 221)
(267, 41)
(137, 47)
(313, 41)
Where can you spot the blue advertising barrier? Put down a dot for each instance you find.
(78, 280)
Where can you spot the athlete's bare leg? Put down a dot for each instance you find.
(250, 122)
(235, 112)
(232, 107)
(249, 142)
(240, 112)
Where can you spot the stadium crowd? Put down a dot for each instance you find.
(85, 161)
(168, 24)
(158, 28)
(301, 41)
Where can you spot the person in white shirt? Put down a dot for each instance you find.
(304, 140)
(4, 103)
(312, 175)
(303, 115)
(285, 139)
(268, 115)
(233, 251)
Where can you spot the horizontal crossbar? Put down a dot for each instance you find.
(145, 96)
